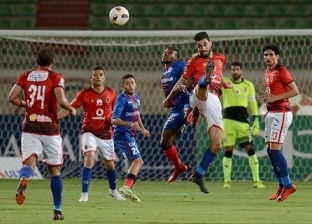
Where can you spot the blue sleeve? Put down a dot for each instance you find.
(118, 108)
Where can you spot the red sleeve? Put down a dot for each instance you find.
(189, 69)
(285, 76)
(21, 79)
(77, 101)
(114, 93)
(59, 81)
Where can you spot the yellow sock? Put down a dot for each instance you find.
(227, 168)
(254, 166)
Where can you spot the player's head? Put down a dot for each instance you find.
(236, 70)
(170, 55)
(271, 54)
(203, 44)
(45, 57)
(128, 84)
(98, 76)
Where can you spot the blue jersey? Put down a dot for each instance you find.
(127, 108)
(170, 76)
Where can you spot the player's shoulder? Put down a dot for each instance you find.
(110, 89)
(226, 79)
(218, 56)
(248, 82)
(281, 68)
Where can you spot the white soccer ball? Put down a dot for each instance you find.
(119, 15)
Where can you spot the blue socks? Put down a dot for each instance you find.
(112, 176)
(25, 171)
(280, 167)
(56, 185)
(86, 175)
(207, 159)
(202, 82)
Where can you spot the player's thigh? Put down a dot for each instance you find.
(30, 145)
(277, 125)
(229, 137)
(88, 142)
(128, 147)
(175, 121)
(106, 148)
(243, 132)
(52, 149)
(213, 112)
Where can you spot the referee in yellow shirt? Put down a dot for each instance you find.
(237, 103)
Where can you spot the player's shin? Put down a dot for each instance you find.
(227, 169)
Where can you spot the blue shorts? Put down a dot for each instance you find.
(128, 147)
(176, 118)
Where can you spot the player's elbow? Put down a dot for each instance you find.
(114, 121)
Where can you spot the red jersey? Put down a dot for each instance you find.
(41, 105)
(276, 82)
(98, 109)
(196, 68)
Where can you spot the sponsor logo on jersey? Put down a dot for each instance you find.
(39, 118)
(164, 80)
(128, 114)
(37, 76)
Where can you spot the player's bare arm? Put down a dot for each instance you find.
(145, 132)
(268, 98)
(179, 86)
(63, 102)
(133, 124)
(14, 96)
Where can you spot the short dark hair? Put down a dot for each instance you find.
(45, 56)
(126, 76)
(272, 47)
(98, 68)
(236, 63)
(177, 52)
(201, 35)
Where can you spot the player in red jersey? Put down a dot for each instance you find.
(205, 69)
(43, 90)
(280, 86)
(97, 102)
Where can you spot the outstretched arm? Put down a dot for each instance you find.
(175, 90)
(14, 96)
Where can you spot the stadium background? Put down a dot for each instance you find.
(76, 62)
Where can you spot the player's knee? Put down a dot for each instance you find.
(251, 152)
(216, 147)
(165, 145)
(228, 154)
(109, 165)
(245, 145)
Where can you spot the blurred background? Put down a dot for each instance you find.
(141, 55)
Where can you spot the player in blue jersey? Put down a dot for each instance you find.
(127, 121)
(175, 123)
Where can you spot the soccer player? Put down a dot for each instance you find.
(43, 90)
(175, 123)
(280, 86)
(127, 121)
(97, 102)
(205, 70)
(237, 101)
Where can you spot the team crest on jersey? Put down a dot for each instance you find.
(99, 102)
(107, 100)
(37, 76)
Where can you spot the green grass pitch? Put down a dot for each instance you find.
(161, 202)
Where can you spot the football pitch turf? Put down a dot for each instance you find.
(161, 202)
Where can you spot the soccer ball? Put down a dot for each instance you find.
(119, 15)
